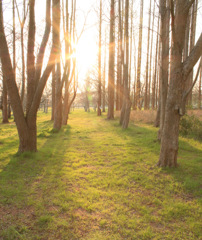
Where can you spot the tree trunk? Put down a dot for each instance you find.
(147, 63)
(126, 107)
(99, 64)
(199, 90)
(104, 75)
(110, 113)
(155, 70)
(165, 19)
(138, 87)
(53, 94)
(176, 99)
(150, 61)
(4, 104)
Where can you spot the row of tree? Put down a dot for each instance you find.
(175, 54)
(38, 67)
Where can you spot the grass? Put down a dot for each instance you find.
(95, 181)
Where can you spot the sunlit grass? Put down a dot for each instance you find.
(94, 180)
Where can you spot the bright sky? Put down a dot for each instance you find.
(87, 48)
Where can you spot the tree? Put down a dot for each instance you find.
(146, 105)
(138, 87)
(70, 61)
(177, 93)
(99, 64)
(110, 113)
(36, 79)
(165, 20)
(126, 107)
(22, 24)
(4, 104)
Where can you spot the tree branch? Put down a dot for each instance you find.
(185, 95)
(192, 59)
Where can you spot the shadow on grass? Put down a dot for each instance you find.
(189, 157)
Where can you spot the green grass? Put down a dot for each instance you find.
(95, 181)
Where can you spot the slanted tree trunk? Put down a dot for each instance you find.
(138, 87)
(110, 113)
(177, 93)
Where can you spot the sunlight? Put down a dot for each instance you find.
(86, 55)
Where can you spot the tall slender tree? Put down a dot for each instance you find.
(126, 107)
(147, 63)
(138, 85)
(110, 113)
(99, 64)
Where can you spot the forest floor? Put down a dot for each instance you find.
(95, 181)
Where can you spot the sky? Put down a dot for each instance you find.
(88, 12)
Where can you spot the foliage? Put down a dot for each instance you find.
(191, 126)
(93, 180)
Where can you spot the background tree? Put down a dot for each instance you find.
(138, 84)
(110, 113)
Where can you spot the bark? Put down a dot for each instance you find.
(147, 63)
(4, 104)
(22, 24)
(199, 90)
(30, 56)
(138, 87)
(58, 91)
(110, 113)
(150, 60)
(104, 76)
(126, 107)
(164, 12)
(99, 64)
(53, 94)
(154, 90)
(176, 91)
(192, 42)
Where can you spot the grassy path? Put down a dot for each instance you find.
(95, 181)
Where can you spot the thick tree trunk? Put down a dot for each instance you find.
(176, 98)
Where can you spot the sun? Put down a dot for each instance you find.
(86, 56)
